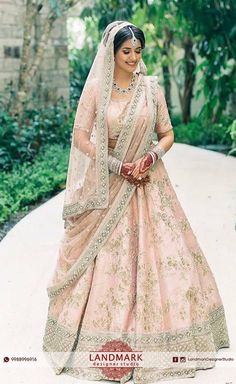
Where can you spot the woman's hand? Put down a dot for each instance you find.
(126, 172)
(142, 166)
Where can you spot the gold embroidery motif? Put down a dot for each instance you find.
(198, 338)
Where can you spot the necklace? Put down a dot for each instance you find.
(123, 91)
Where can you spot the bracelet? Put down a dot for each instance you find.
(114, 164)
(159, 150)
(119, 171)
(153, 155)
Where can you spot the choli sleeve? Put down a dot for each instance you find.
(86, 110)
(163, 123)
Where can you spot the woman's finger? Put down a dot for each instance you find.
(136, 167)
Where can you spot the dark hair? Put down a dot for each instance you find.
(124, 34)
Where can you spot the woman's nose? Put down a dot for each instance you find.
(133, 55)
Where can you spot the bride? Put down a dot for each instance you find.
(130, 272)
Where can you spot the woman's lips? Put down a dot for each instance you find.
(131, 64)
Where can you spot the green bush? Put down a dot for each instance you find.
(29, 182)
(196, 133)
(22, 138)
(176, 119)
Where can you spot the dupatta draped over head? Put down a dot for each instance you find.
(87, 185)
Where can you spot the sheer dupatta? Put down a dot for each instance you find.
(87, 184)
(94, 227)
(87, 232)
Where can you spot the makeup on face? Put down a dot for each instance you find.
(128, 57)
(132, 62)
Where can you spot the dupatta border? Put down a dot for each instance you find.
(98, 240)
(101, 197)
(128, 130)
(117, 209)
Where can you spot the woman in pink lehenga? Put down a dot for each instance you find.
(130, 269)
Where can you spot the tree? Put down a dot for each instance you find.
(213, 25)
(169, 33)
(28, 65)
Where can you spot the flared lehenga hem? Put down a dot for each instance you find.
(149, 286)
(209, 336)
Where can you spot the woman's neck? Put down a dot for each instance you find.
(123, 78)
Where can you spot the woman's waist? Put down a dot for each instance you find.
(112, 142)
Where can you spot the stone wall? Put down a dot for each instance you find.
(52, 80)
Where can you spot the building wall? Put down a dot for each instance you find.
(52, 80)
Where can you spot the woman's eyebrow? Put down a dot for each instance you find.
(130, 48)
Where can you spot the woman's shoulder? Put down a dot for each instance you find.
(91, 87)
(151, 78)
(154, 80)
(94, 81)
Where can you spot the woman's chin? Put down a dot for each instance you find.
(130, 69)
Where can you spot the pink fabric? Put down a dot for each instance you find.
(152, 257)
(173, 285)
(116, 109)
(150, 278)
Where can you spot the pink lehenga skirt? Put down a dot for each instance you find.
(149, 286)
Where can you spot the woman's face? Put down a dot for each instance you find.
(127, 57)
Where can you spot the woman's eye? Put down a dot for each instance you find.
(127, 52)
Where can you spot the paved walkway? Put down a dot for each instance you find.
(205, 183)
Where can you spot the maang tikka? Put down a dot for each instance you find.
(134, 41)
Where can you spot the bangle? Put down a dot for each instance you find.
(159, 150)
(153, 155)
(119, 171)
(114, 164)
